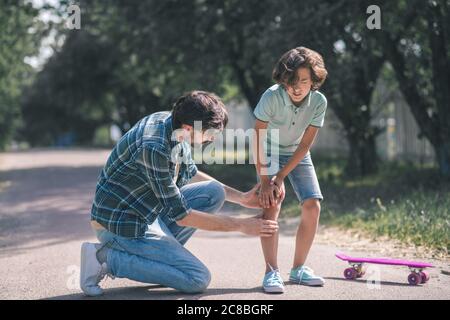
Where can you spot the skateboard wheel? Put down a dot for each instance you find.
(350, 274)
(424, 276)
(360, 274)
(414, 279)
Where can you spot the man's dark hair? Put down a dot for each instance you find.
(199, 106)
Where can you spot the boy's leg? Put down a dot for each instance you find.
(156, 258)
(205, 196)
(306, 230)
(272, 282)
(306, 186)
(270, 244)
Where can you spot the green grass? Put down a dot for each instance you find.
(402, 201)
(420, 219)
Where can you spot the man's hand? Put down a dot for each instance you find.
(256, 226)
(250, 199)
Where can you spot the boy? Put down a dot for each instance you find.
(295, 108)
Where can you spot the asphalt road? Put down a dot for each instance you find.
(45, 198)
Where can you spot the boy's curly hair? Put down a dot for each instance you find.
(285, 70)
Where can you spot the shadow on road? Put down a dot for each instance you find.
(364, 282)
(50, 204)
(155, 292)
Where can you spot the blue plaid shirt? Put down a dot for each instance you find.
(137, 183)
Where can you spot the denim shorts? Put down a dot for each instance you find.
(303, 177)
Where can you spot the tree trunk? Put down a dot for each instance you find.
(362, 159)
(443, 158)
(441, 78)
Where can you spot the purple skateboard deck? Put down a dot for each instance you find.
(394, 262)
(416, 277)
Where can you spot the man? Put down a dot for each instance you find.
(144, 211)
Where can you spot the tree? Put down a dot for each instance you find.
(355, 62)
(68, 95)
(118, 68)
(154, 50)
(20, 37)
(249, 36)
(418, 49)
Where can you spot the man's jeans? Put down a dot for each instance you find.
(159, 257)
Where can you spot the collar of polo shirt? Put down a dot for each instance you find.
(288, 102)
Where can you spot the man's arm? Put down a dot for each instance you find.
(154, 164)
(254, 226)
(247, 199)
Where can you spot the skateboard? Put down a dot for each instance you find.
(416, 277)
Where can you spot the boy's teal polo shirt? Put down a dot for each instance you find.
(276, 108)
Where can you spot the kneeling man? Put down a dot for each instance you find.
(144, 210)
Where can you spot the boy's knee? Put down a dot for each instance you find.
(272, 212)
(311, 207)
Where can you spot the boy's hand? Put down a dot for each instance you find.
(280, 191)
(268, 194)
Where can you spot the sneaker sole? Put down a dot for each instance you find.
(317, 283)
(273, 290)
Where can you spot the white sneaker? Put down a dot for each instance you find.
(92, 272)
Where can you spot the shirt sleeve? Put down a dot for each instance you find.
(191, 166)
(155, 166)
(264, 110)
(192, 169)
(319, 115)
